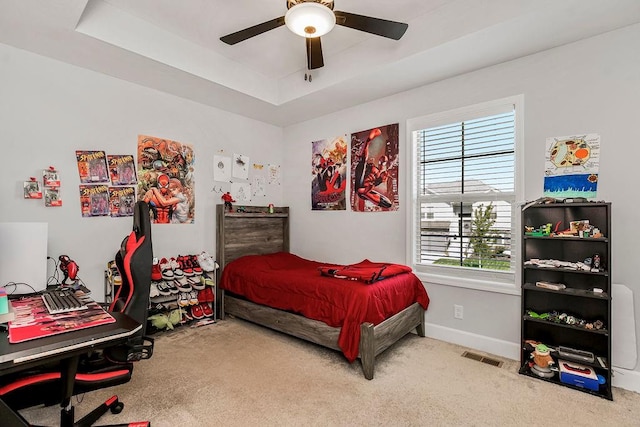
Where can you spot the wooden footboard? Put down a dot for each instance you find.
(373, 341)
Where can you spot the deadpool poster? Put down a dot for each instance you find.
(374, 169)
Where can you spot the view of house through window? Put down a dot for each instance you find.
(465, 191)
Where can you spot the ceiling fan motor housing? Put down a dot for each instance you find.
(327, 3)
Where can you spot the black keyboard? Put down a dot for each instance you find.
(62, 301)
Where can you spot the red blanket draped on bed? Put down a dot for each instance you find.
(289, 282)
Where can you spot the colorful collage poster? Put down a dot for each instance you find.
(374, 169)
(571, 166)
(329, 174)
(166, 179)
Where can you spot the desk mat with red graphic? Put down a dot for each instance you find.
(32, 320)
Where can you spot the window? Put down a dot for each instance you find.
(464, 196)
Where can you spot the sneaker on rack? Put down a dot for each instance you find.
(210, 295)
(182, 262)
(193, 298)
(177, 271)
(172, 287)
(113, 274)
(196, 312)
(197, 269)
(206, 261)
(196, 283)
(165, 268)
(206, 309)
(153, 290)
(186, 317)
(182, 284)
(183, 299)
(163, 289)
(156, 274)
(206, 280)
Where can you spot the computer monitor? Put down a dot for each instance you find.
(23, 256)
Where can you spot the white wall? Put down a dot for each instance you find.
(49, 109)
(585, 87)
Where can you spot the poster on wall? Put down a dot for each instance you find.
(221, 168)
(571, 166)
(241, 192)
(374, 169)
(92, 166)
(240, 167)
(329, 174)
(273, 172)
(166, 179)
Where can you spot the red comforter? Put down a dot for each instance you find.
(289, 282)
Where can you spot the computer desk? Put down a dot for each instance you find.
(66, 348)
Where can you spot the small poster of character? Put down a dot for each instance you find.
(121, 201)
(122, 169)
(50, 178)
(94, 200)
(92, 166)
(166, 179)
(374, 169)
(571, 166)
(329, 174)
(32, 189)
(52, 197)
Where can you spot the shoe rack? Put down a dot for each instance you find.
(165, 304)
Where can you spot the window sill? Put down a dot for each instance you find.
(496, 284)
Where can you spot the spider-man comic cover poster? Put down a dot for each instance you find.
(374, 169)
(166, 179)
(329, 174)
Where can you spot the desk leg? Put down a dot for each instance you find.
(11, 418)
(68, 372)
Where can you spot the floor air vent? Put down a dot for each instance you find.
(481, 358)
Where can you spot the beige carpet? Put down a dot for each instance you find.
(234, 373)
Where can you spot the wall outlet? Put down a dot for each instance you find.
(458, 311)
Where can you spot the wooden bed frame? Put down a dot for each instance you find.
(256, 231)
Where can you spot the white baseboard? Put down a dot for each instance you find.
(626, 379)
(623, 378)
(478, 342)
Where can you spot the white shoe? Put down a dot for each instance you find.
(206, 261)
(153, 290)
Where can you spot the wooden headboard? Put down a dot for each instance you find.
(252, 232)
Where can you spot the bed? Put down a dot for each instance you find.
(265, 284)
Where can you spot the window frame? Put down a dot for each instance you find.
(462, 277)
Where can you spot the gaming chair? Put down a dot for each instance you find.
(113, 365)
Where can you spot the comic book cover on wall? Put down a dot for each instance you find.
(166, 179)
(374, 169)
(329, 172)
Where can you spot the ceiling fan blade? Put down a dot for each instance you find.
(314, 53)
(381, 27)
(256, 30)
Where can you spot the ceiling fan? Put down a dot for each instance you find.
(314, 18)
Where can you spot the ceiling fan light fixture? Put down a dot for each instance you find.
(310, 19)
